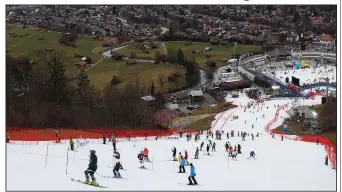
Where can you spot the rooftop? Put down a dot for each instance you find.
(195, 93)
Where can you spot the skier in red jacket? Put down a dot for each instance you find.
(186, 156)
(230, 151)
(235, 148)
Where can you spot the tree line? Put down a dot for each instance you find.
(54, 100)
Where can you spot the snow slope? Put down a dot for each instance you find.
(280, 165)
(309, 75)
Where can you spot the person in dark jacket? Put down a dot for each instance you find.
(251, 154)
(104, 138)
(71, 144)
(174, 152)
(116, 169)
(208, 147)
(114, 143)
(239, 149)
(213, 148)
(226, 146)
(326, 160)
(196, 153)
(202, 145)
(92, 167)
(192, 175)
(141, 160)
(181, 165)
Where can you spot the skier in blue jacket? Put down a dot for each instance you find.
(192, 175)
(251, 154)
(182, 164)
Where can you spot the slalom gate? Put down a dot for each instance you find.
(330, 148)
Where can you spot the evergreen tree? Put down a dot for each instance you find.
(181, 59)
(54, 63)
(84, 90)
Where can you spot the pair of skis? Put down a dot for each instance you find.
(97, 185)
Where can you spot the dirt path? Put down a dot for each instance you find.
(185, 121)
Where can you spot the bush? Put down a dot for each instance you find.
(115, 80)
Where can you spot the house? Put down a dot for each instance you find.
(149, 99)
(196, 95)
(207, 49)
(107, 44)
(81, 64)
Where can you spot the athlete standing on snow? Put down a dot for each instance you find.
(186, 157)
(202, 145)
(208, 149)
(114, 142)
(146, 154)
(251, 154)
(192, 175)
(196, 153)
(174, 152)
(181, 165)
(92, 167)
(116, 169)
(213, 148)
(141, 160)
(117, 157)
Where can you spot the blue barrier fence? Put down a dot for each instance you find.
(318, 85)
(283, 98)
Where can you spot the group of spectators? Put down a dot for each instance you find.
(253, 93)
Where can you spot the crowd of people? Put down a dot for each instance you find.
(253, 93)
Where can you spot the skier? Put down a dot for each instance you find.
(146, 155)
(252, 137)
(104, 139)
(282, 137)
(252, 126)
(92, 167)
(257, 135)
(234, 155)
(202, 145)
(208, 149)
(116, 169)
(238, 134)
(326, 160)
(239, 149)
(141, 159)
(71, 144)
(234, 148)
(226, 146)
(213, 147)
(179, 158)
(117, 157)
(251, 154)
(192, 175)
(196, 153)
(181, 165)
(114, 142)
(227, 135)
(186, 157)
(230, 151)
(174, 151)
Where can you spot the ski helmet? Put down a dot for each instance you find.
(92, 152)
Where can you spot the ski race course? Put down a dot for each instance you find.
(279, 165)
